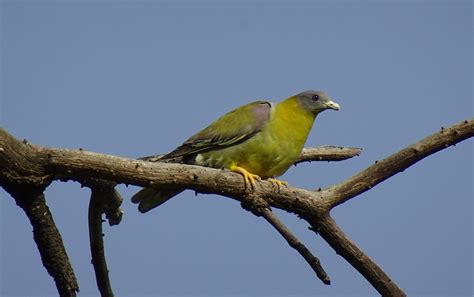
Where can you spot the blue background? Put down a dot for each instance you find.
(138, 78)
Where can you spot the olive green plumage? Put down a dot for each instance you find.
(257, 139)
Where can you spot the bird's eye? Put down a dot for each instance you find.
(315, 98)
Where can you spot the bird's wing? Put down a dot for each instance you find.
(234, 127)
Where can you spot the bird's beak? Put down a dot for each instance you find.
(332, 105)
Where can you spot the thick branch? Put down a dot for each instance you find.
(397, 162)
(328, 229)
(21, 162)
(76, 165)
(47, 237)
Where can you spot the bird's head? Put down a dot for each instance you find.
(316, 101)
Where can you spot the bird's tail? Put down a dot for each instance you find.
(149, 198)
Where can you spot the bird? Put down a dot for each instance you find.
(259, 140)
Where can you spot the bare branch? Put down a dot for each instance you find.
(21, 163)
(96, 208)
(47, 237)
(381, 170)
(296, 244)
(320, 153)
(328, 229)
(74, 165)
(328, 153)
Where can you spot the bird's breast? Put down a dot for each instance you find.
(270, 152)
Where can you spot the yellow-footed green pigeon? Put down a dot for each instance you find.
(257, 140)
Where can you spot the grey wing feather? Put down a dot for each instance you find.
(245, 121)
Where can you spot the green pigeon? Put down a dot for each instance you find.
(257, 140)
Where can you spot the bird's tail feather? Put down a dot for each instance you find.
(149, 198)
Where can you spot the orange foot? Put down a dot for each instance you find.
(277, 182)
(249, 178)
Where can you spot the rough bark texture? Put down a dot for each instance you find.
(46, 236)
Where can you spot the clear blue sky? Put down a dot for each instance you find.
(138, 78)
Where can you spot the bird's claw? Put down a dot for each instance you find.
(278, 183)
(249, 178)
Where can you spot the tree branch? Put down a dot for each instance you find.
(294, 242)
(104, 199)
(47, 237)
(96, 208)
(328, 153)
(321, 153)
(343, 246)
(259, 207)
(381, 170)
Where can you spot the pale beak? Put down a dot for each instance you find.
(332, 105)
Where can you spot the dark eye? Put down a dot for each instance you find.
(315, 98)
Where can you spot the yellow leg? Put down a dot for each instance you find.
(277, 182)
(249, 178)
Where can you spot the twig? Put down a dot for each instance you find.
(104, 199)
(320, 153)
(47, 237)
(328, 153)
(333, 235)
(296, 244)
(381, 170)
(96, 208)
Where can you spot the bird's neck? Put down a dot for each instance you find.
(292, 120)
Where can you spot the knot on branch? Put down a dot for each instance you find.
(107, 199)
(112, 209)
(255, 204)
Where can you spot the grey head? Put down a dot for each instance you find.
(316, 101)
